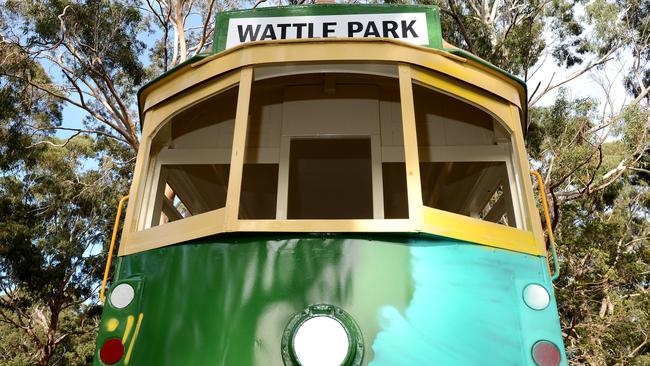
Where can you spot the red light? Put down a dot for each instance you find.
(111, 351)
(546, 353)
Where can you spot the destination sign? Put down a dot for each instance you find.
(407, 27)
(415, 24)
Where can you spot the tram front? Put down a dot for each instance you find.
(334, 185)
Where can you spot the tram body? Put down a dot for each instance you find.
(357, 200)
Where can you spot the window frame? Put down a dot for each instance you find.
(502, 152)
(421, 219)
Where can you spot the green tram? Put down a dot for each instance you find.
(332, 185)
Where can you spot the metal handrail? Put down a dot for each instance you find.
(549, 228)
(110, 250)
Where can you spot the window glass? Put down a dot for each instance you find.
(395, 196)
(259, 191)
(192, 189)
(330, 178)
(460, 169)
(319, 143)
(191, 160)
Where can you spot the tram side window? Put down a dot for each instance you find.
(458, 168)
(192, 161)
(324, 146)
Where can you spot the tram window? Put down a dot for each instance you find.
(192, 189)
(454, 140)
(476, 189)
(395, 196)
(259, 191)
(330, 179)
(192, 155)
(324, 144)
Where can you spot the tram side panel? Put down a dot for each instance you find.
(417, 301)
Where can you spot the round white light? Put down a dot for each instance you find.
(321, 341)
(536, 297)
(122, 295)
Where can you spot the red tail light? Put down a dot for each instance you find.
(112, 351)
(546, 353)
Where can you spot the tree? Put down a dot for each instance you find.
(93, 48)
(56, 217)
(192, 24)
(56, 209)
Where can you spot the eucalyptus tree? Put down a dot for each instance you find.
(56, 207)
(90, 51)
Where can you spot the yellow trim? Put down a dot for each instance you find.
(533, 221)
(470, 93)
(411, 158)
(110, 250)
(329, 41)
(547, 218)
(473, 230)
(238, 146)
(491, 92)
(112, 324)
(135, 337)
(189, 228)
(137, 189)
(369, 50)
(127, 330)
(182, 102)
(333, 226)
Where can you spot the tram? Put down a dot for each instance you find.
(332, 185)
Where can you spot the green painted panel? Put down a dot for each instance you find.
(417, 300)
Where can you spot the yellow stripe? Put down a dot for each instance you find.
(127, 331)
(135, 337)
(473, 230)
(110, 250)
(112, 324)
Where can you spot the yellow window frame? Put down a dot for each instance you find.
(176, 97)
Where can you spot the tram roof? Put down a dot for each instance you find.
(383, 21)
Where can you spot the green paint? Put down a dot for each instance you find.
(227, 300)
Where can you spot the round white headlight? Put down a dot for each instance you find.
(321, 341)
(536, 297)
(122, 295)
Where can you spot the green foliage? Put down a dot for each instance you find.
(56, 217)
(77, 349)
(103, 30)
(56, 211)
(602, 222)
(602, 294)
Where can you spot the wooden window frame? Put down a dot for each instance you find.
(421, 219)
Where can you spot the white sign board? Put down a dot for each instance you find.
(407, 27)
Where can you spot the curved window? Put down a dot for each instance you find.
(191, 160)
(465, 159)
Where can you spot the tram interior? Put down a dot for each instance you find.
(330, 146)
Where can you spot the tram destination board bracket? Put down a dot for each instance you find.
(415, 24)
